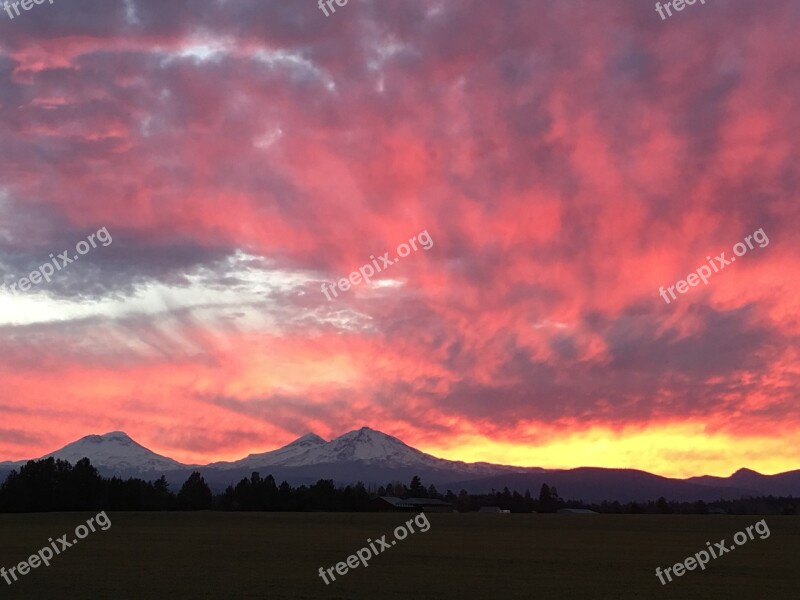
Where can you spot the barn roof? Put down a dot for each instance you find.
(397, 502)
(427, 502)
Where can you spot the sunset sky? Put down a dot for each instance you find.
(567, 159)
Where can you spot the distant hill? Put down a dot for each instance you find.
(781, 484)
(595, 485)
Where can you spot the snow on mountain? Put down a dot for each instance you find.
(365, 446)
(275, 457)
(113, 451)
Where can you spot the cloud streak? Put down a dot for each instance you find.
(567, 160)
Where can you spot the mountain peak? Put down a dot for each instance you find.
(114, 450)
(365, 432)
(290, 451)
(114, 436)
(310, 437)
(365, 445)
(746, 473)
(370, 446)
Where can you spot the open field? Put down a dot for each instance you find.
(465, 556)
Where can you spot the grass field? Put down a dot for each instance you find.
(464, 556)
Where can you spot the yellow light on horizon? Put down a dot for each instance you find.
(681, 450)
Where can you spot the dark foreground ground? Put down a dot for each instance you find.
(462, 556)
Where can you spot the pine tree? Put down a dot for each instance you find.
(195, 494)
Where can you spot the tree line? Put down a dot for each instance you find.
(51, 485)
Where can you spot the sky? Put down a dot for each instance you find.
(561, 162)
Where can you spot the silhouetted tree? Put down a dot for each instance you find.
(528, 501)
(464, 502)
(195, 493)
(416, 489)
(662, 506)
(546, 499)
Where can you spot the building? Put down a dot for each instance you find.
(393, 504)
(492, 509)
(390, 504)
(431, 504)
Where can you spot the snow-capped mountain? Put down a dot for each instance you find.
(114, 452)
(284, 455)
(364, 452)
(364, 446)
(371, 456)
(370, 446)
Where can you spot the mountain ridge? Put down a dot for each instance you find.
(365, 445)
(366, 454)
